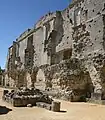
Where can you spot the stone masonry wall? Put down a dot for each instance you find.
(67, 48)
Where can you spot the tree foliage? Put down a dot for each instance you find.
(1, 70)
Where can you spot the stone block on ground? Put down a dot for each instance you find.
(44, 105)
(56, 106)
(17, 102)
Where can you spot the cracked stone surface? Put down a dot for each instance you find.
(68, 47)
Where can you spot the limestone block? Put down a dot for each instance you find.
(17, 102)
(43, 105)
(56, 106)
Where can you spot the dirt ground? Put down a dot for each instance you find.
(69, 111)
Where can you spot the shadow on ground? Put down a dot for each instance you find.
(4, 110)
(63, 111)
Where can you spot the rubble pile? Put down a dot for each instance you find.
(22, 97)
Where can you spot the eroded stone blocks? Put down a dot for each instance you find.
(23, 97)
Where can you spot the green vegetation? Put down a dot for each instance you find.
(1, 70)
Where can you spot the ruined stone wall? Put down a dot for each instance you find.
(22, 47)
(67, 51)
(88, 39)
(40, 57)
(2, 78)
(66, 39)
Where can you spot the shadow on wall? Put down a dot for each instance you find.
(4, 110)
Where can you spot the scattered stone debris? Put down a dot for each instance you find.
(24, 97)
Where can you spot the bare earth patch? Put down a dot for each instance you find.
(69, 111)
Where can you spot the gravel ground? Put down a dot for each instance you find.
(69, 111)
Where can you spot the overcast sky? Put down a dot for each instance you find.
(18, 15)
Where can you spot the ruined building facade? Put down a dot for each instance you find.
(63, 52)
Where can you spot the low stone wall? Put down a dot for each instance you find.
(23, 97)
(29, 98)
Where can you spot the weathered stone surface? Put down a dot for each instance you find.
(44, 105)
(68, 47)
(25, 96)
(56, 106)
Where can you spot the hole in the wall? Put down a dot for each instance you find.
(99, 31)
(91, 44)
(93, 10)
(82, 40)
(71, 21)
(98, 13)
(86, 14)
(75, 50)
(100, 61)
(90, 26)
(77, 5)
(91, 20)
(87, 34)
(67, 54)
(97, 61)
(74, 45)
(67, 37)
(62, 35)
(89, 54)
(100, 55)
(68, 16)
